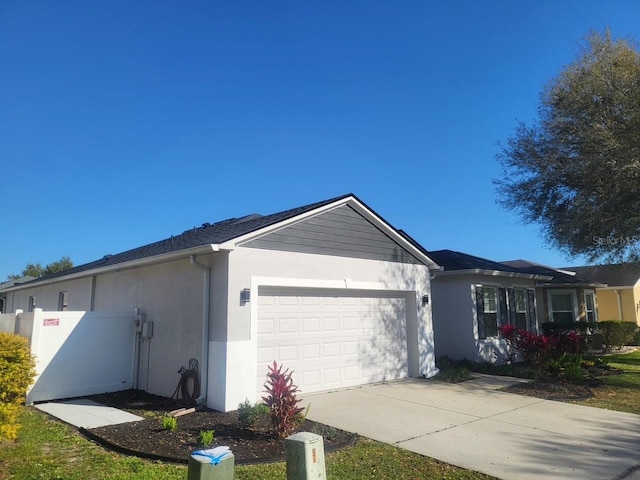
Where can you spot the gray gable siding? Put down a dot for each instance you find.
(341, 232)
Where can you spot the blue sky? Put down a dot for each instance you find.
(122, 123)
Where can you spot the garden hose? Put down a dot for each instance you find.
(185, 397)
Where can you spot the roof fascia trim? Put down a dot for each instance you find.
(572, 285)
(493, 273)
(164, 257)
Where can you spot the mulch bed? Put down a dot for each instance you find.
(147, 438)
(556, 388)
(552, 391)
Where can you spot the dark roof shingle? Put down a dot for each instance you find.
(452, 260)
(617, 275)
(214, 233)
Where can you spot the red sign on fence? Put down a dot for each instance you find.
(51, 322)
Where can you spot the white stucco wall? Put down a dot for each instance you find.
(170, 295)
(455, 320)
(79, 295)
(250, 268)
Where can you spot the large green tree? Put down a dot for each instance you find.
(37, 270)
(576, 170)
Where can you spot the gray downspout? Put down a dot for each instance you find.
(206, 301)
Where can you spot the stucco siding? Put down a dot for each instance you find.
(455, 318)
(636, 303)
(249, 268)
(170, 295)
(246, 263)
(79, 296)
(607, 305)
(628, 305)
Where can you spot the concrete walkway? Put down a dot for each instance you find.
(81, 412)
(474, 426)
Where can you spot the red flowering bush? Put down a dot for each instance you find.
(538, 349)
(282, 401)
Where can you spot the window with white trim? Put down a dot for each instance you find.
(491, 309)
(590, 306)
(563, 306)
(520, 308)
(497, 306)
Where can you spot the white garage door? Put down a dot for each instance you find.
(332, 338)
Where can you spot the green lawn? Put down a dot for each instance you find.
(619, 392)
(49, 450)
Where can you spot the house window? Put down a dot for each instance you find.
(590, 306)
(63, 301)
(32, 303)
(2, 300)
(520, 308)
(562, 307)
(491, 309)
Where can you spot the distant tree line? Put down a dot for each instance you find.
(37, 270)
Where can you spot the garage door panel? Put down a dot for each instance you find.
(332, 339)
(311, 325)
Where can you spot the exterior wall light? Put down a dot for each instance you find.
(245, 296)
(425, 300)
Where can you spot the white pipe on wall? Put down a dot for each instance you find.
(206, 300)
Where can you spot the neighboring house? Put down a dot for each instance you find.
(8, 284)
(472, 297)
(620, 299)
(330, 290)
(566, 298)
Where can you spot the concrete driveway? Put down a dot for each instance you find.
(474, 426)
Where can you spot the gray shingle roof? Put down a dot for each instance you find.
(619, 275)
(559, 278)
(213, 233)
(452, 260)
(16, 281)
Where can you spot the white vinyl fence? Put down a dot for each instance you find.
(77, 353)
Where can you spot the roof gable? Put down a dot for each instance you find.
(341, 231)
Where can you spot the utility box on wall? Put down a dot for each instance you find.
(305, 457)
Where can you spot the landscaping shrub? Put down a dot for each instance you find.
(563, 328)
(531, 348)
(17, 369)
(282, 401)
(248, 414)
(542, 351)
(616, 333)
(453, 375)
